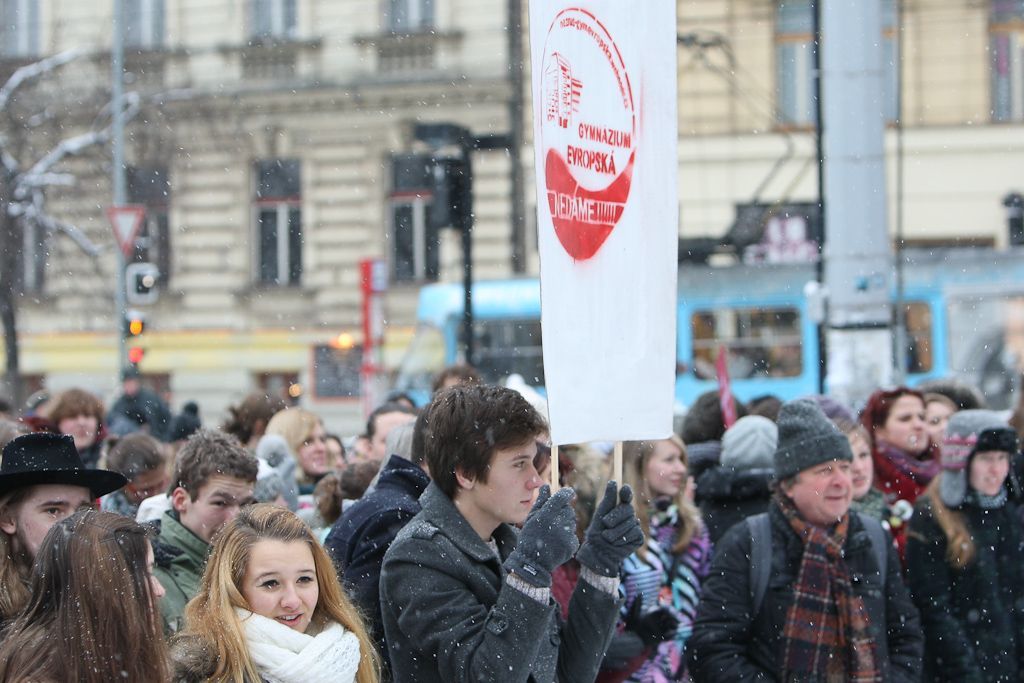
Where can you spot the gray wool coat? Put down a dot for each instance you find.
(450, 616)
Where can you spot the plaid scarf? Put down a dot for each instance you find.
(826, 635)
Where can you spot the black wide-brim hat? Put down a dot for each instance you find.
(45, 458)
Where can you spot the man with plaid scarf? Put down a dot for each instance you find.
(828, 611)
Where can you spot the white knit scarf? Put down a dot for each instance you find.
(283, 655)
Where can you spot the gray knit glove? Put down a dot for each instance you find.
(548, 538)
(614, 532)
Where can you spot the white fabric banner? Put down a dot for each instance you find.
(604, 98)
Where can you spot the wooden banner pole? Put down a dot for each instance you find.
(554, 468)
(617, 463)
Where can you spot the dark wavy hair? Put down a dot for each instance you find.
(465, 424)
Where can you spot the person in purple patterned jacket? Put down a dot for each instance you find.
(661, 581)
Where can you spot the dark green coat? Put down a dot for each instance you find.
(179, 558)
(973, 619)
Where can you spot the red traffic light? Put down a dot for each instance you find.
(135, 354)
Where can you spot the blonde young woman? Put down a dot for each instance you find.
(662, 580)
(270, 609)
(305, 436)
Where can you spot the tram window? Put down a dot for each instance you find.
(760, 342)
(504, 347)
(918, 316)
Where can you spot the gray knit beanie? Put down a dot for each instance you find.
(967, 432)
(750, 443)
(807, 438)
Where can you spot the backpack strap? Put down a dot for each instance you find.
(760, 559)
(880, 542)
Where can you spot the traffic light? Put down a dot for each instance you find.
(135, 354)
(134, 326)
(140, 281)
(452, 188)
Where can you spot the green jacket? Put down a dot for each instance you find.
(180, 558)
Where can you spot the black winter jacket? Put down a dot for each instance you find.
(729, 644)
(973, 618)
(358, 540)
(728, 496)
(702, 457)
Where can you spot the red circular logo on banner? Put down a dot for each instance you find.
(588, 131)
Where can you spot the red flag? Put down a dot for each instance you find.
(724, 389)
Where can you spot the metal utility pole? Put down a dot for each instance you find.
(819, 150)
(515, 134)
(858, 258)
(120, 190)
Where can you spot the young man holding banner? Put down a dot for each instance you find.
(464, 596)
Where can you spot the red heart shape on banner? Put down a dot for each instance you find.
(583, 218)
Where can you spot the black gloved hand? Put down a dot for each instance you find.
(623, 649)
(653, 627)
(614, 532)
(548, 538)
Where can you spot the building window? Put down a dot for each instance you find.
(34, 253)
(149, 186)
(415, 243)
(144, 24)
(280, 384)
(1006, 39)
(278, 209)
(19, 34)
(272, 19)
(409, 16)
(794, 62)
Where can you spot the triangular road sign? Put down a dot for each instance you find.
(126, 221)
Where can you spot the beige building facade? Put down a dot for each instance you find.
(274, 151)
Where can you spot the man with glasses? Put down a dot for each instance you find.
(213, 478)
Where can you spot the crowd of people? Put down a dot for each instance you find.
(805, 541)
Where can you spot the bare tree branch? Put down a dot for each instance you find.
(54, 225)
(33, 71)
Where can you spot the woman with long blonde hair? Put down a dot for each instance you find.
(965, 556)
(270, 608)
(662, 579)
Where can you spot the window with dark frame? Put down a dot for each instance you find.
(1006, 49)
(19, 28)
(278, 212)
(273, 19)
(150, 187)
(414, 241)
(31, 277)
